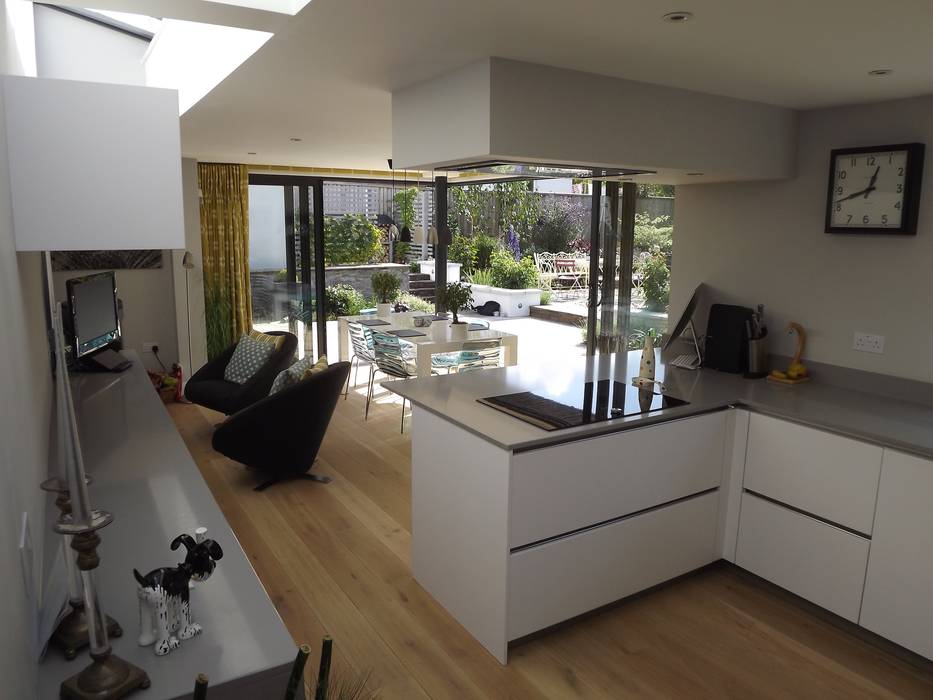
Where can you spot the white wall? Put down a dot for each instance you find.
(71, 48)
(25, 407)
(764, 242)
(76, 49)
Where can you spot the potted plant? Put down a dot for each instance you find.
(455, 298)
(385, 288)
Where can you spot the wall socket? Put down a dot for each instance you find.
(148, 345)
(866, 342)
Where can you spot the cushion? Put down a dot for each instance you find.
(275, 340)
(318, 366)
(295, 373)
(248, 358)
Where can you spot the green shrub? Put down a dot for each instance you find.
(400, 251)
(415, 303)
(218, 320)
(385, 287)
(651, 233)
(414, 267)
(485, 247)
(511, 274)
(342, 300)
(463, 251)
(560, 222)
(351, 239)
(545, 295)
(655, 280)
(483, 276)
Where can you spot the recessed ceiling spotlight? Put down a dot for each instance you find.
(251, 153)
(678, 17)
(880, 72)
(295, 139)
(694, 174)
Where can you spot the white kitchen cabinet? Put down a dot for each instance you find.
(898, 601)
(830, 476)
(819, 562)
(560, 489)
(558, 580)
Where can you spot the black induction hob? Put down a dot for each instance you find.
(598, 401)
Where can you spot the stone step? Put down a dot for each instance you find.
(419, 284)
(418, 277)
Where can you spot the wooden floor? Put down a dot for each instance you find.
(335, 560)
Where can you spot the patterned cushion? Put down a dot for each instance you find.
(276, 340)
(248, 358)
(295, 373)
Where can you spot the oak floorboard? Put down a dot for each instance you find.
(336, 560)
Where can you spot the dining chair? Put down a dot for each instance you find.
(479, 354)
(362, 343)
(392, 360)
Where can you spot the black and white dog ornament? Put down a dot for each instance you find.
(164, 603)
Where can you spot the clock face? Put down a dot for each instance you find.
(868, 189)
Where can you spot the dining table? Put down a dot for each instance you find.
(434, 339)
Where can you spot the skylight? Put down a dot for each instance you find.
(194, 58)
(142, 22)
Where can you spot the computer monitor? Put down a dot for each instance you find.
(95, 324)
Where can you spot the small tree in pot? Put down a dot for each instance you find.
(455, 298)
(385, 288)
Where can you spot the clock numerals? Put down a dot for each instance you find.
(868, 189)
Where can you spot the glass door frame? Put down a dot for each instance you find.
(310, 229)
(608, 303)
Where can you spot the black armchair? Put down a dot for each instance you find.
(207, 387)
(281, 434)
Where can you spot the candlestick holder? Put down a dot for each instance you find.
(108, 677)
(71, 635)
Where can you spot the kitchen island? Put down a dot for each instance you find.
(516, 528)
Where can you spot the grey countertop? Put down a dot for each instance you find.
(885, 421)
(144, 475)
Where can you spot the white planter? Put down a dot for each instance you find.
(512, 302)
(384, 309)
(453, 269)
(458, 331)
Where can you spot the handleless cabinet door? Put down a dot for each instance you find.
(556, 490)
(898, 600)
(830, 476)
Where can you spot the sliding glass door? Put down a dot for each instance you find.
(286, 259)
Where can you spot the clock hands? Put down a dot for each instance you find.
(871, 183)
(868, 190)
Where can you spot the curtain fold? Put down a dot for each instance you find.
(225, 250)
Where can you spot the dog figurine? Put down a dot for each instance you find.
(164, 605)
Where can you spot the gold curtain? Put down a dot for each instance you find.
(225, 250)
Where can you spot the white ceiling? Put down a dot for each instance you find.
(327, 75)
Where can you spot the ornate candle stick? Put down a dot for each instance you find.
(72, 632)
(108, 677)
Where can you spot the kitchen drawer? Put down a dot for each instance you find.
(558, 580)
(556, 490)
(817, 561)
(833, 477)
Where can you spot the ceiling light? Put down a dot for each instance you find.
(295, 139)
(879, 72)
(678, 17)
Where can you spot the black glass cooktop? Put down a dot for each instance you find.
(598, 401)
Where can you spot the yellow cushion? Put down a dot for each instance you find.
(275, 340)
(318, 366)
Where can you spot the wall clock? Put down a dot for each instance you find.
(874, 189)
